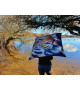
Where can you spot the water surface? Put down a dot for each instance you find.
(71, 48)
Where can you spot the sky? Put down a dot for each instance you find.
(57, 30)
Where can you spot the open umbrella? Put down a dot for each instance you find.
(49, 45)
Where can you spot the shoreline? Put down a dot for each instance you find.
(12, 66)
(31, 68)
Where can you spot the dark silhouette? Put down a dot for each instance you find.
(45, 65)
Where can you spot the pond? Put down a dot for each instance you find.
(71, 48)
(24, 47)
(69, 65)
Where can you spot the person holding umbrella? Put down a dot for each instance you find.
(45, 48)
(45, 65)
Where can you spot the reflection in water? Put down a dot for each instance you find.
(24, 47)
(71, 48)
(61, 65)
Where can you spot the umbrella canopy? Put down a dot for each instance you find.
(49, 45)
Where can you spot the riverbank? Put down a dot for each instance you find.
(15, 63)
(21, 68)
(25, 67)
(66, 67)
